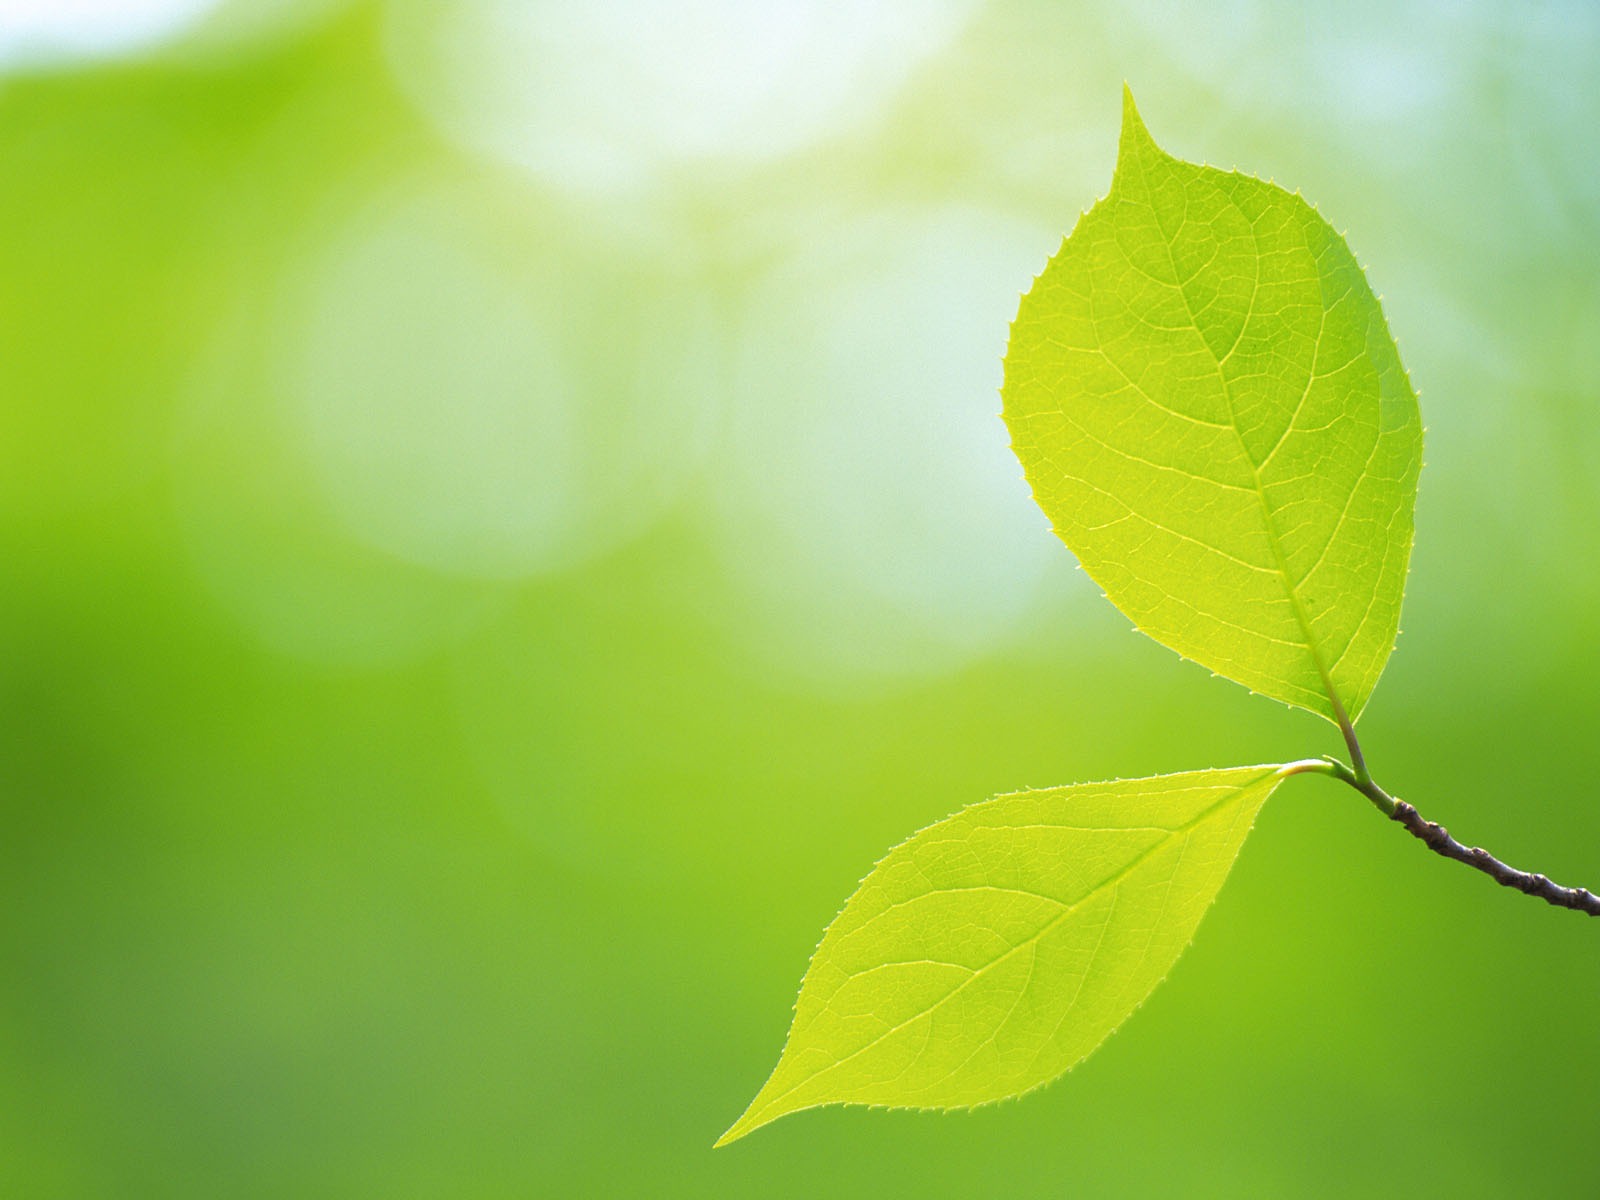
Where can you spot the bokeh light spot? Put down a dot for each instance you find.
(52, 30)
(605, 97)
(488, 403)
(872, 513)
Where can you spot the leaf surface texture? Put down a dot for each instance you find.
(997, 948)
(1208, 405)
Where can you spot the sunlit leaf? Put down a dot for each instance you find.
(996, 949)
(1208, 405)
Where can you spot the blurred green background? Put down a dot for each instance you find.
(503, 520)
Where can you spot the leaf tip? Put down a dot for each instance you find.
(749, 1121)
(774, 1100)
(1134, 132)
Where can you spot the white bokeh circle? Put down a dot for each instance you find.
(871, 513)
(606, 97)
(51, 31)
(479, 397)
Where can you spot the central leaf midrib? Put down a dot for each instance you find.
(1280, 559)
(1111, 881)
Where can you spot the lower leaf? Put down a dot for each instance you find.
(996, 949)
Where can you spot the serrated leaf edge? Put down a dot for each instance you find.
(745, 1124)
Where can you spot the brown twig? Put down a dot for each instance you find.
(1437, 838)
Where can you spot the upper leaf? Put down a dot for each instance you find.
(996, 949)
(1209, 408)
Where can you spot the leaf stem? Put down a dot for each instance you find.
(1437, 838)
(1314, 766)
(1348, 728)
(1368, 787)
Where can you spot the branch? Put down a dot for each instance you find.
(1437, 838)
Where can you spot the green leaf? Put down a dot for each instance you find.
(996, 949)
(1209, 408)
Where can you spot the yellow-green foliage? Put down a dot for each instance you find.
(996, 949)
(1210, 410)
